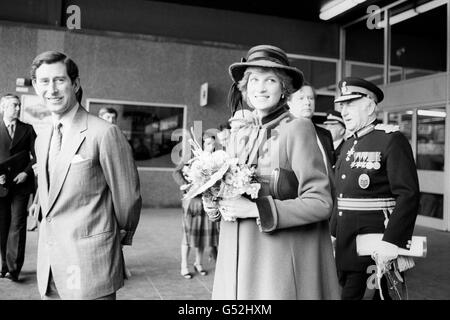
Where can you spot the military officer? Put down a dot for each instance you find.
(376, 186)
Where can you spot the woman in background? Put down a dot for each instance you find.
(198, 231)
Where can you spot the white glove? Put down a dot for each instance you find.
(333, 244)
(384, 252)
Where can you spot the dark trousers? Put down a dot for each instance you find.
(13, 232)
(354, 285)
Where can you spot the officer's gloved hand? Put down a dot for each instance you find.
(384, 252)
(333, 243)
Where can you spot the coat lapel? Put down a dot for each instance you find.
(71, 142)
(42, 155)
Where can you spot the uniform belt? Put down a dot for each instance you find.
(366, 204)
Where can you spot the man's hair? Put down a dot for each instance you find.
(8, 96)
(104, 110)
(79, 95)
(50, 57)
(307, 84)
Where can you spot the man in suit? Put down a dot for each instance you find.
(17, 180)
(88, 191)
(302, 103)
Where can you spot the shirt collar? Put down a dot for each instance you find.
(7, 122)
(337, 143)
(66, 119)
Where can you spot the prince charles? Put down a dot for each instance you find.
(88, 191)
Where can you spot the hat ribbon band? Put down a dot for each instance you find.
(265, 55)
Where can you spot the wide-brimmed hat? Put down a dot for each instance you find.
(268, 57)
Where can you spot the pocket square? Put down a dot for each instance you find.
(77, 158)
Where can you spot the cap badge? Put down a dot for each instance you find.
(344, 88)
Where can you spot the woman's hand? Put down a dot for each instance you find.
(239, 208)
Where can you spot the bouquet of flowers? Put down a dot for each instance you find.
(217, 176)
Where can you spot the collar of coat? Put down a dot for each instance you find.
(274, 114)
(362, 132)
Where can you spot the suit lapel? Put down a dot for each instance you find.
(4, 130)
(19, 132)
(71, 142)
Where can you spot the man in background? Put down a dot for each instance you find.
(302, 103)
(109, 114)
(17, 183)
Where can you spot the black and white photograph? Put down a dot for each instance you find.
(224, 156)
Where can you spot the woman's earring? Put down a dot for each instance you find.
(282, 96)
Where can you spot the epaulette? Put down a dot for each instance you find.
(388, 128)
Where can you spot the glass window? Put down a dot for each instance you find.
(402, 119)
(364, 51)
(431, 205)
(148, 129)
(430, 139)
(418, 40)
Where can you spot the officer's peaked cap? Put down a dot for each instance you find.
(353, 88)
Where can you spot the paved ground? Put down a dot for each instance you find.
(154, 261)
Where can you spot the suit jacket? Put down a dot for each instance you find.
(21, 145)
(93, 199)
(327, 142)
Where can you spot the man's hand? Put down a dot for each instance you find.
(384, 252)
(20, 178)
(33, 210)
(2, 179)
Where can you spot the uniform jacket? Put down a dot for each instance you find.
(21, 145)
(394, 178)
(92, 198)
(289, 255)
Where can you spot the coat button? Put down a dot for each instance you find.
(340, 213)
(343, 176)
(49, 219)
